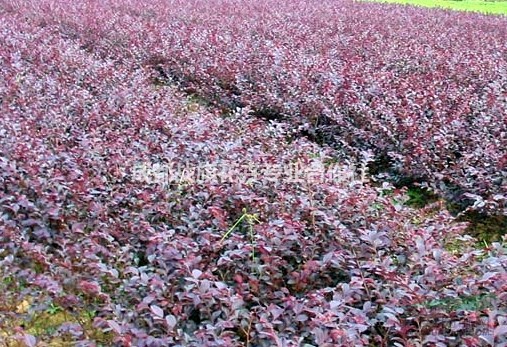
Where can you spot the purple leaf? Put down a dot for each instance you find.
(115, 326)
(196, 273)
(170, 321)
(157, 311)
(29, 340)
(500, 330)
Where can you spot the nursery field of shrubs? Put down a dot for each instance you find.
(233, 173)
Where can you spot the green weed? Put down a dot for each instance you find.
(250, 220)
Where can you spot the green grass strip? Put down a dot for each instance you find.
(482, 6)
